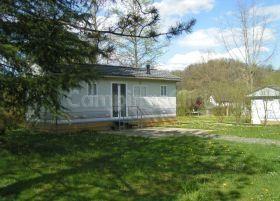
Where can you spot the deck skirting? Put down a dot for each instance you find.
(99, 125)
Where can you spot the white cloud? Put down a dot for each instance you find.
(206, 44)
(208, 38)
(172, 11)
(104, 22)
(183, 7)
(203, 38)
(271, 12)
(181, 61)
(268, 34)
(213, 37)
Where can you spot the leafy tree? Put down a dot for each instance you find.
(135, 51)
(188, 102)
(226, 84)
(198, 104)
(205, 77)
(42, 43)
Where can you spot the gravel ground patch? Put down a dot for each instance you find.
(159, 132)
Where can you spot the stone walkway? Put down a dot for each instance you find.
(159, 132)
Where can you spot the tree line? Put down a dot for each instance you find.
(42, 43)
(225, 80)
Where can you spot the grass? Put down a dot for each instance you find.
(228, 127)
(93, 166)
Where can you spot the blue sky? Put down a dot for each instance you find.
(204, 42)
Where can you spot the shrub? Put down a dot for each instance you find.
(9, 120)
(220, 113)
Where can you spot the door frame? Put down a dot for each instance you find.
(111, 94)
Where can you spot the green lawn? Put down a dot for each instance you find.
(228, 127)
(92, 166)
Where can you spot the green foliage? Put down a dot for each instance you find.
(134, 51)
(205, 77)
(9, 120)
(36, 46)
(186, 101)
(271, 77)
(42, 43)
(226, 82)
(219, 112)
(208, 77)
(182, 107)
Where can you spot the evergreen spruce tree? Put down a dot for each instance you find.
(42, 43)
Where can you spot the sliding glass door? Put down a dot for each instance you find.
(119, 100)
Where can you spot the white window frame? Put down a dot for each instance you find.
(90, 88)
(134, 94)
(146, 89)
(165, 94)
(140, 90)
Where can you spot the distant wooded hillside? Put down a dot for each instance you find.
(208, 78)
(225, 80)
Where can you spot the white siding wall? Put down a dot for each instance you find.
(82, 106)
(262, 108)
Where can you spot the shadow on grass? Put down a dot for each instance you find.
(88, 166)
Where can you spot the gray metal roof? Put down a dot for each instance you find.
(138, 73)
(264, 92)
(277, 88)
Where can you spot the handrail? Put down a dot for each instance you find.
(139, 116)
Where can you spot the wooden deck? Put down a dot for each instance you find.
(105, 125)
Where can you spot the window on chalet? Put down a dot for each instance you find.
(140, 91)
(92, 89)
(163, 90)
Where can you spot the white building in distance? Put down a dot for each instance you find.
(265, 105)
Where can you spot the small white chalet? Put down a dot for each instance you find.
(120, 94)
(265, 105)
